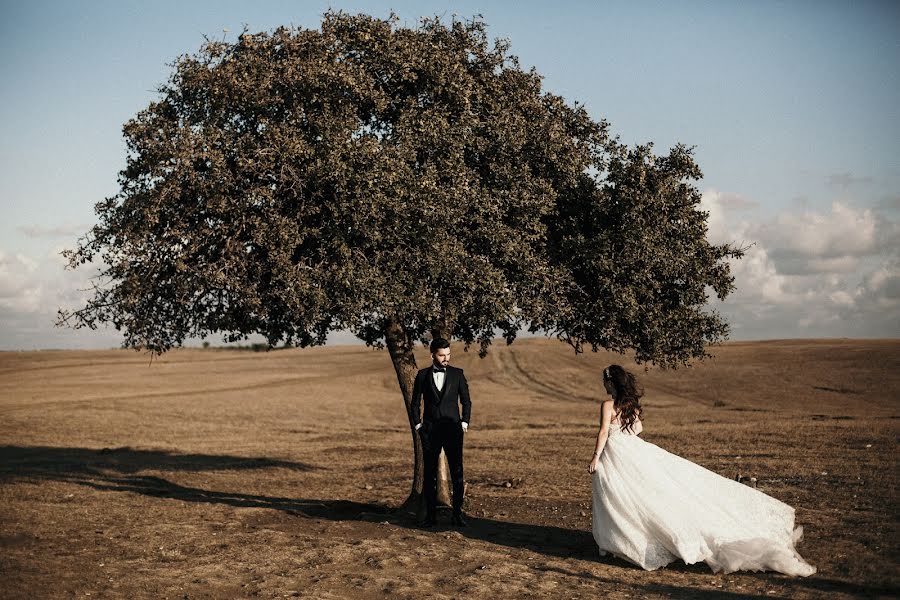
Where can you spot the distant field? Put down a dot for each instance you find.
(231, 474)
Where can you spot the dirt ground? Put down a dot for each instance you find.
(231, 474)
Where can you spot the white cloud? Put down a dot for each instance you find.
(20, 289)
(811, 274)
(794, 265)
(844, 231)
(735, 201)
(720, 230)
(68, 230)
(56, 255)
(32, 289)
(846, 180)
(880, 289)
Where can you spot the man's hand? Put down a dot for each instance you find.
(465, 427)
(423, 437)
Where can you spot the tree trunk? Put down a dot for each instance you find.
(444, 487)
(400, 348)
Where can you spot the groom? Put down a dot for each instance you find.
(444, 388)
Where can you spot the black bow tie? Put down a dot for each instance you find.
(439, 369)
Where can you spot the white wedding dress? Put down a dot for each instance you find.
(652, 507)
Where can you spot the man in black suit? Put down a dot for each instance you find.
(444, 389)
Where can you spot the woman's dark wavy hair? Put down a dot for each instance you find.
(627, 400)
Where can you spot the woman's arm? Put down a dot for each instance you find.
(606, 412)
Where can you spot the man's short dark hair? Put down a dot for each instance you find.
(439, 344)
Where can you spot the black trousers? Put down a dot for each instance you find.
(449, 436)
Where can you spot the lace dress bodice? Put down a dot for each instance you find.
(615, 427)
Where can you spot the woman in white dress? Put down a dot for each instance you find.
(652, 507)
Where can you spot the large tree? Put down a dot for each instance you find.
(401, 183)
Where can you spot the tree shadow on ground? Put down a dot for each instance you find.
(115, 470)
(48, 462)
(121, 469)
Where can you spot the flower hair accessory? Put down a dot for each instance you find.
(606, 373)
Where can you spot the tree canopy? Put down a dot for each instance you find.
(366, 175)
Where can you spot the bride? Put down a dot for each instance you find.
(651, 507)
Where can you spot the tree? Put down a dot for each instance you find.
(402, 183)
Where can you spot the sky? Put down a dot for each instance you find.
(793, 109)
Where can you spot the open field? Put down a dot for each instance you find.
(231, 474)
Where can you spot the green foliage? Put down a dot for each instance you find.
(300, 181)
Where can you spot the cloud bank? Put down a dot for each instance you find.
(831, 272)
(809, 273)
(32, 289)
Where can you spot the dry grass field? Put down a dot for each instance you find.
(232, 474)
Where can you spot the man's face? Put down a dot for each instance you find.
(441, 357)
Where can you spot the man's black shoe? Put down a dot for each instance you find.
(458, 520)
(428, 522)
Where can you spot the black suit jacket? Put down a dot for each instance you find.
(441, 404)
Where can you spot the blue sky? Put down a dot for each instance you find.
(792, 106)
